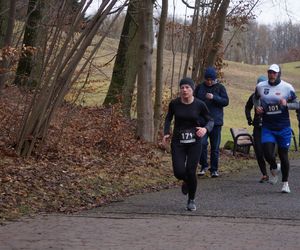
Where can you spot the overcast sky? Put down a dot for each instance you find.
(267, 11)
(270, 12)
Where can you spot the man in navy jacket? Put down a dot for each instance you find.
(215, 97)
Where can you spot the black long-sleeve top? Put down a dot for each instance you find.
(187, 116)
(256, 121)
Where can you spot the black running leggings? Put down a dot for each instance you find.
(269, 152)
(185, 158)
(258, 148)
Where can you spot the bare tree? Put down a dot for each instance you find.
(7, 41)
(123, 79)
(173, 49)
(145, 126)
(4, 15)
(218, 34)
(59, 77)
(206, 31)
(30, 39)
(192, 36)
(159, 68)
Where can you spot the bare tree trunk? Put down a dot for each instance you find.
(38, 62)
(183, 42)
(4, 15)
(159, 68)
(192, 37)
(218, 35)
(30, 38)
(4, 65)
(173, 50)
(123, 79)
(145, 126)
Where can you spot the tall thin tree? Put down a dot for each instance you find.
(4, 14)
(159, 68)
(29, 41)
(7, 42)
(145, 125)
(123, 79)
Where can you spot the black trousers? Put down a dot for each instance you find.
(185, 158)
(258, 149)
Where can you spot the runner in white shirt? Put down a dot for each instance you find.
(273, 96)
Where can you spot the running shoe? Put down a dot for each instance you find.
(285, 188)
(202, 172)
(273, 179)
(214, 174)
(191, 205)
(184, 188)
(264, 179)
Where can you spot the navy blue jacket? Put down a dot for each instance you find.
(219, 101)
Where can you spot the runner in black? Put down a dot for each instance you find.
(192, 122)
(256, 122)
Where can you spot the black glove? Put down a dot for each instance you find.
(250, 122)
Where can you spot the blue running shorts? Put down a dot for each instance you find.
(281, 137)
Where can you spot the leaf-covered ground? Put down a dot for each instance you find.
(91, 157)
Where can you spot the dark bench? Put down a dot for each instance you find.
(242, 140)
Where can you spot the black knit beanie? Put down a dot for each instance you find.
(188, 81)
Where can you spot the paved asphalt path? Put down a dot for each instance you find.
(233, 212)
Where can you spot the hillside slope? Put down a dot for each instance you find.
(240, 80)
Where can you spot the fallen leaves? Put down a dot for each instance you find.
(86, 161)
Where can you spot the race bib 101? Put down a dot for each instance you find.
(273, 109)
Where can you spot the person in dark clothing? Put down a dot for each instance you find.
(257, 123)
(192, 122)
(214, 94)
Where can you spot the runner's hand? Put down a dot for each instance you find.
(283, 102)
(209, 96)
(200, 132)
(259, 110)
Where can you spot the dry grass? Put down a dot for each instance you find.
(239, 79)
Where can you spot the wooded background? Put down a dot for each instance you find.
(52, 49)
